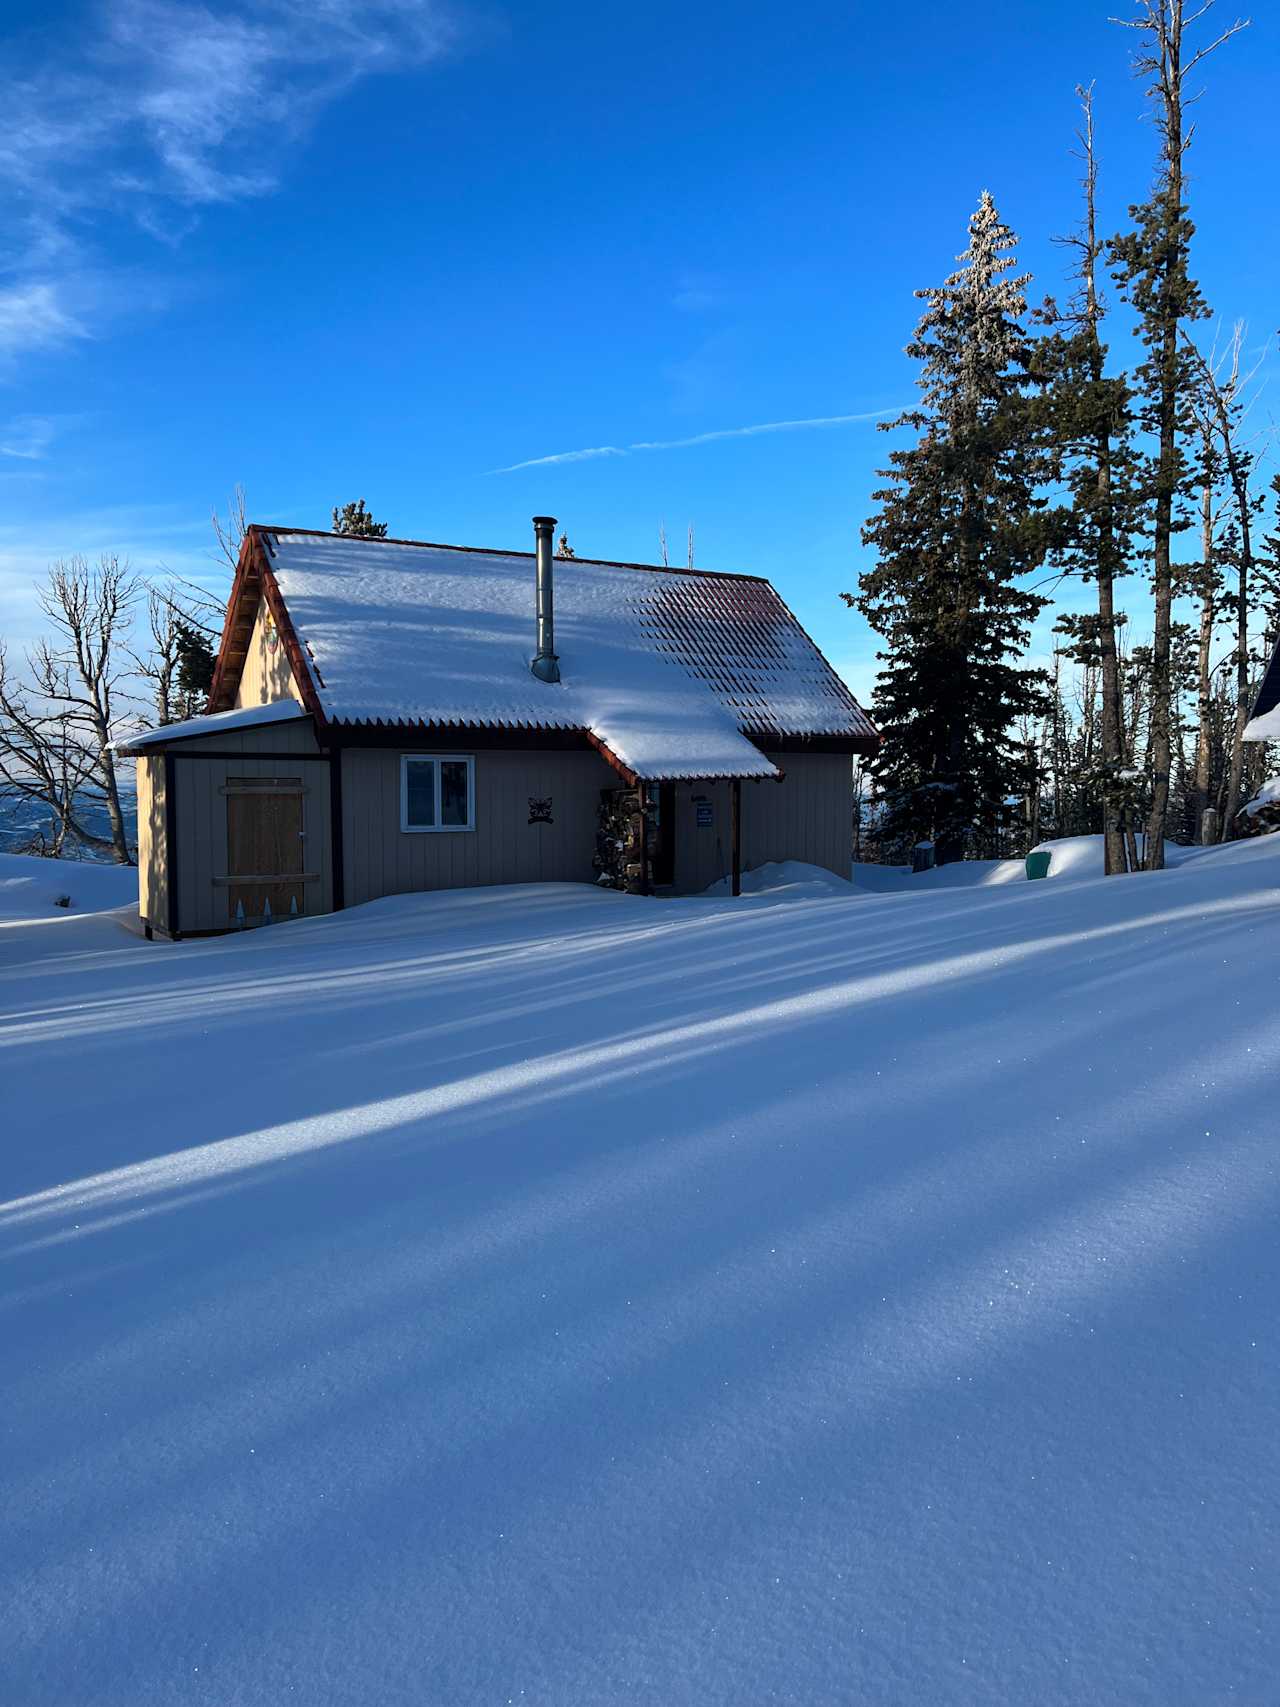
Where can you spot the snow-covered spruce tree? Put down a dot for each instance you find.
(355, 519)
(958, 527)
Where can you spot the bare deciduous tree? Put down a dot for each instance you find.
(178, 662)
(1221, 400)
(229, 531)
(81, 672)
(44, 762)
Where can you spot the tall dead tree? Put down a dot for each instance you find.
(1091, 422)
(1151, 263)
(1205, 583)
(1223, 403)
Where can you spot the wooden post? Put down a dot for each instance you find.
(643, 824)
(735, 832)
(338, 898)
(171, 843)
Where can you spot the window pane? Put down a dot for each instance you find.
(420, 792)
(453, 792)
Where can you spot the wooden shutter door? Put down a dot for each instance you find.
(266, 856)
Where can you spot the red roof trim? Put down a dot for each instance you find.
(255, 578)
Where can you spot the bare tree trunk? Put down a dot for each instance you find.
(1204, 644)
(1170, 298)
(1113, 845)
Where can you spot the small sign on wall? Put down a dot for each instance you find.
(540, 811)
(703, 809)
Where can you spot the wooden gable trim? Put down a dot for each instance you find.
(254, 582)
(237, 627)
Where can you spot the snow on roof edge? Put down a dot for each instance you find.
(1263, 728)
(243, 717)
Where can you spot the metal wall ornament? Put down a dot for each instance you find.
(540, 810)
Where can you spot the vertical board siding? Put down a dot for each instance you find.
(808, 816)
(381, 859)
(297, 736)
(704, 856)
(153, 873)
(202, 833)
(266, 674)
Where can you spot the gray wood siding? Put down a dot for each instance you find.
(381, 859)
(266, 674)
(153, 874)
(702, 856)
(202, 831)
(807, 816)
(296, 736)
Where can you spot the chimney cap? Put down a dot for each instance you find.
(544, 521)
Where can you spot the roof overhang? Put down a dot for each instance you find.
(220, 723)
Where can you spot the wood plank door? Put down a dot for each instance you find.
(266, 842)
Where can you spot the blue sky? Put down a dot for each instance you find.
(338, 249)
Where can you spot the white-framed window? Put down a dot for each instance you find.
(437, 792)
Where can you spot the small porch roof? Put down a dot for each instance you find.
(217, 723)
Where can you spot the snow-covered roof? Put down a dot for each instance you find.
(1264, 726)
(671, 671)
(247, 717)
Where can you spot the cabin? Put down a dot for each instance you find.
(389, 716)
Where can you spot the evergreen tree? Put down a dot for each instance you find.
(355, 519)
(195, 661)
(958, 526)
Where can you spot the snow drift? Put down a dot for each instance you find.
(554, 1296)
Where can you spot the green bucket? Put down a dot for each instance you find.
(1038, 863)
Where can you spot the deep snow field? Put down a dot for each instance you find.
(839, 1295)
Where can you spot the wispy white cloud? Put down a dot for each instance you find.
(163, 108)
(27, 437)
(807, 425)
(34, 316)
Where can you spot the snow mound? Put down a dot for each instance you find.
(51, 888)
(791, 878)
(1267, 795)
(1072, 859)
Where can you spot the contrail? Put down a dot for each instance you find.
(699, 439)
(762, 427)
(562, 456)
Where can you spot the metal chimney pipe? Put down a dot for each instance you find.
(546, 666)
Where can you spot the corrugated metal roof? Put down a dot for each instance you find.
(671, 671)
